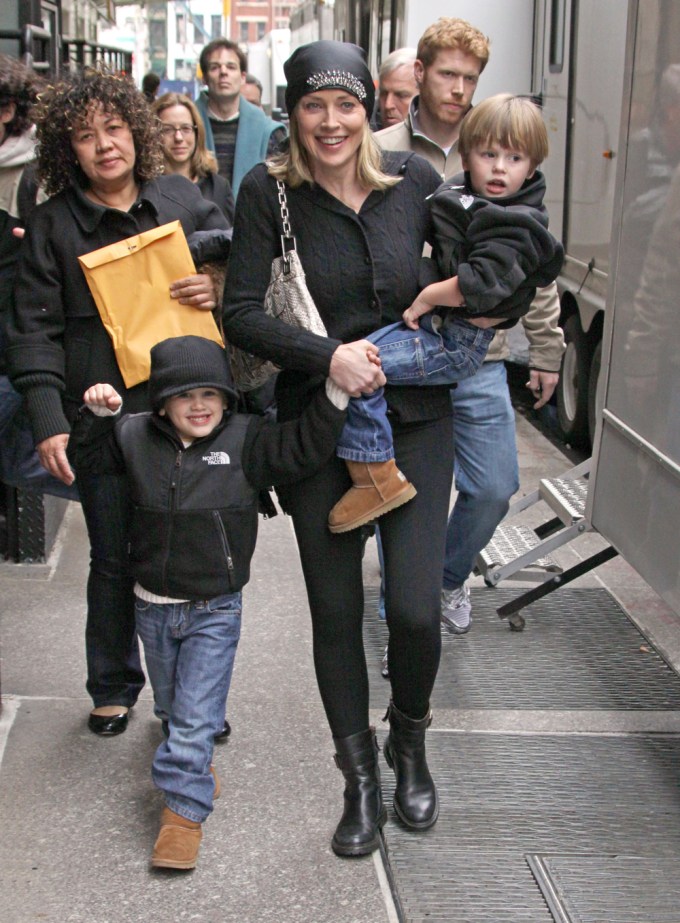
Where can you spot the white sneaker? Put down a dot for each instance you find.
(384, 667)
(456, 610)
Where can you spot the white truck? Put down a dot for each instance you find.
(634, 489)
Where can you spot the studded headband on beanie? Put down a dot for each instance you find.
(327, 65)
(182, 363)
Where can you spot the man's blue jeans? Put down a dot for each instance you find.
(438, 353)
(486, 471)
(189, 650)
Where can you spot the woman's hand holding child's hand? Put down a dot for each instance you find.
(102, 395)
(356, 368)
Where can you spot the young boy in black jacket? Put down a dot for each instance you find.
(195, 469)
(492, 250)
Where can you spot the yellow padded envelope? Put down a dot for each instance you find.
(130, 283)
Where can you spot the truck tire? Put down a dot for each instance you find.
(572, 388)
(594, 406)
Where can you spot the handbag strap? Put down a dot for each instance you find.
(287, 238)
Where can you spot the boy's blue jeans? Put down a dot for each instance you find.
(189, 650)
(440, 352)
(486, 468)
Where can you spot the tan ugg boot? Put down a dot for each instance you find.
(378, 487)
(178, 842)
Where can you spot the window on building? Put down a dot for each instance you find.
(157, 33)
(261, 26)
(215, 26)
(199, 29)
(184, 70)
(243, 31)
(181, 29)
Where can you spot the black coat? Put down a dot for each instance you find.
(58, 345)
(216, 188)
(363, 270)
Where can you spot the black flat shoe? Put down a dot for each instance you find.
(224, 733)
(107, 725)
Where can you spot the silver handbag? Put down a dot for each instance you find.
(287, 298)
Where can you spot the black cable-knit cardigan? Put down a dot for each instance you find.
(363, 270)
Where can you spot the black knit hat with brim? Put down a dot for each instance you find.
(182, 363)
(327, 65)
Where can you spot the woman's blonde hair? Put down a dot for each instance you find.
(293, 165)
(514, 122)
(202, 161)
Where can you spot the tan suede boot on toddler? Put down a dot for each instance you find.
(378, 487)
(178, 842)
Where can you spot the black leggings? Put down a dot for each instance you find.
(413, 538)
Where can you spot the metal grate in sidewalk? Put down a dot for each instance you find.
(579, 650)
(609, 889)
(505, 798)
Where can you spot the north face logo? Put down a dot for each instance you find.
(217, 458)
(466, 201)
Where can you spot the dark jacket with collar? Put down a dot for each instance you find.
(195, 509)
(215, 188)
(500, 249)
(58, 345)
(363, 270)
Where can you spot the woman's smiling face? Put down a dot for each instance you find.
(331, 124)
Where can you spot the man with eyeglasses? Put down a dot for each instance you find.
(239, 133)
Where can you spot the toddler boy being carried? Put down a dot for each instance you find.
(492, 249)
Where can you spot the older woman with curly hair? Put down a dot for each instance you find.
(184, 150)
(100, 158)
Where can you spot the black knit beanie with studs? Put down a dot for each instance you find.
(327, 65)
(182, 363)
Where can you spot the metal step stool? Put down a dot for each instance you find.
(519, 551)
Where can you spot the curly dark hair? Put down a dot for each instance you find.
(66, 105)
(20, 86)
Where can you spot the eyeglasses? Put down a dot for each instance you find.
(168, 131)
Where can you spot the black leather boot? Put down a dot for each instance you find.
(358, 832)
(415, 795)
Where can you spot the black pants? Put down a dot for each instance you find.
(114, 670)
(413, 538)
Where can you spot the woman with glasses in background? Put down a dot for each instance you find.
(184, 150)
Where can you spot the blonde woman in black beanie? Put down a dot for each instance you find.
(360, 220)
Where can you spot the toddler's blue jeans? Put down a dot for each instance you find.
(189, 650)
(441, 352)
